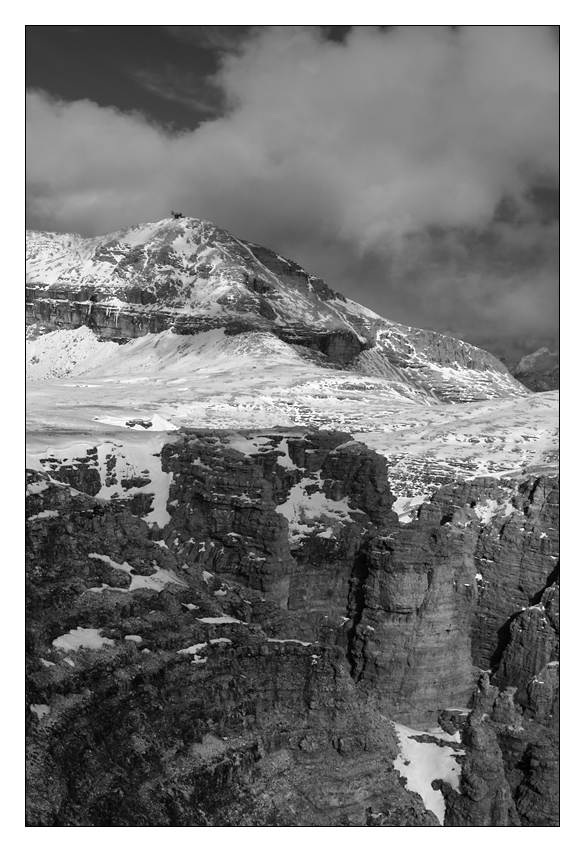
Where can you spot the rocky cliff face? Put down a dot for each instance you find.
(268, 621)
(539, 371)
(152, 702)
(308, 521)
(510, 772)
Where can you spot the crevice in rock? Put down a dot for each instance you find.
(503, 639)
(355, 608)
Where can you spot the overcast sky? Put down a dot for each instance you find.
(415, 169)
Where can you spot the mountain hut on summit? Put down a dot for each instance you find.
(177, 215)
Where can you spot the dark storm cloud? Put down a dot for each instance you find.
(208, 36)
(174, 84)
(400, 165)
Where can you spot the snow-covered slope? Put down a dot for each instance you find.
(189, 276)
(81, 385)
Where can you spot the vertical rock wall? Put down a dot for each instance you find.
(292, 535)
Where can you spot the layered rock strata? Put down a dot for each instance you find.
(151, 701)
(307, 520)
(510, 769)
(283, 606)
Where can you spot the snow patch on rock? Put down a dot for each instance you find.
(303, 505)
(40, 710)
(157, 581)
(221, 619)
(422, 763)
(46, 513)
(81, 637)
(405, 507)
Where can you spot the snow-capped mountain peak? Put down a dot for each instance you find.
(189, 276)
(186, 265)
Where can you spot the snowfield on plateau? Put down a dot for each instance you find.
(81, 386)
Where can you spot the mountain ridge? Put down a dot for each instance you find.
(189, 276)
(539, 370)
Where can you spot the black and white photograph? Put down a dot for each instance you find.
(292, 426)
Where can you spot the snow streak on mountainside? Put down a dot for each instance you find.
(191, 277)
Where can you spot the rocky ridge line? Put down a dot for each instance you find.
(192, 277)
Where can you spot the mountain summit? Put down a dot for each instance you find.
(189, 276)
(189, 267)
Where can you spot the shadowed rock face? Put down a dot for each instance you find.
(435, 609)
(518, 557)
(272, 537)
(424, 606)
(510, 771)
(122, 324)
(533, 645)
(234, 516)
(539, 371)
(190, 714)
